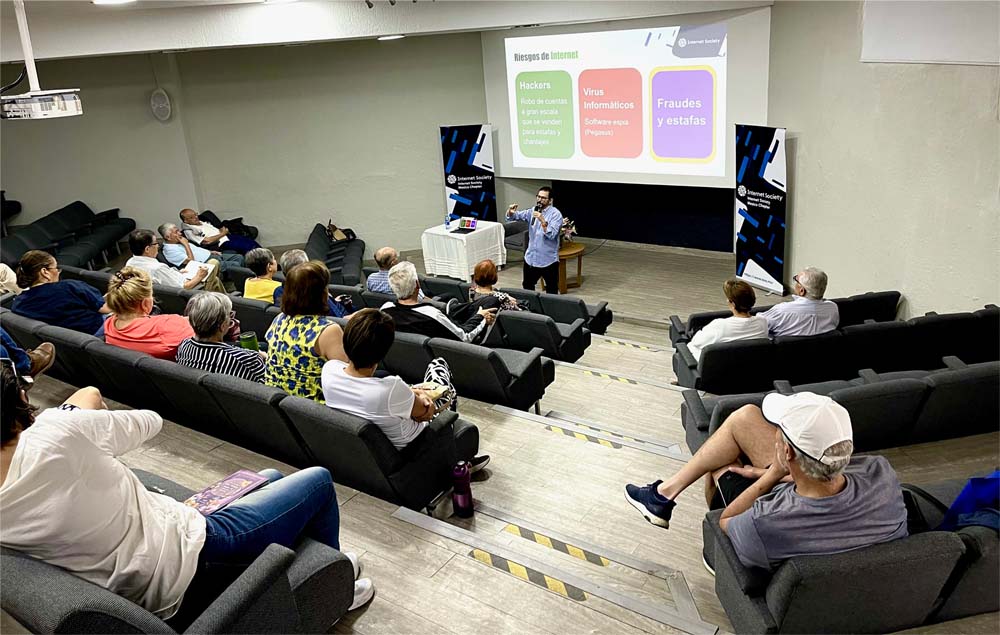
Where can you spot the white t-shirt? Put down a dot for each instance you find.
(385, 401)
(69, 502)
(727, 330)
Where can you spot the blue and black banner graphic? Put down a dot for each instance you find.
(469, 189)
(761, 191)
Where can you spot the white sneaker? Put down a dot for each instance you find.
(364, 591)
(353, 557)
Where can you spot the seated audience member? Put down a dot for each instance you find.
(413, 316)
(27, 363)
(808, 313)
(207, 235)
(742, 326)
(130, 297)
(71, 304)
(263, 265)
(68, 500)
(401, 412)
(211, 316)
(8, 280)
(302, 338)
(144, 247)
(803, 494)
(179, 251)
(386, 258)
(339, 307)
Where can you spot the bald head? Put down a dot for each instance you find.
(386, 257)
(189, 216)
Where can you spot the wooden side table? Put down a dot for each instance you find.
(567, 252)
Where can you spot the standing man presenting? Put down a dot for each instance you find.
(542, 257)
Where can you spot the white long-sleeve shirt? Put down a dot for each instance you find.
(70, 502)
(727, 330)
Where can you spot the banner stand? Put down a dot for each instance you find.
(759, 206)
(467, 155)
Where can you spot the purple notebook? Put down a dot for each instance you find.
(218, 495)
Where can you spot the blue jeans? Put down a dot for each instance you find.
(288, 508)
(10, 350)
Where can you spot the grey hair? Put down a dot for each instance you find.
(291, 259)
(813, 280)
(836, 457)
(207, 311)
(258, 259)
(164, 228)
(403, 279)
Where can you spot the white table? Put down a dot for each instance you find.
(455, 255)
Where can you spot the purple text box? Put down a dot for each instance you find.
(682, 107)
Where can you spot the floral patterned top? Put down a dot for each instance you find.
(293, 364)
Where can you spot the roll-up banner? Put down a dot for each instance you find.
(761, 191)
(467, 152)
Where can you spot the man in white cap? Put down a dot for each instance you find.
(802, 493)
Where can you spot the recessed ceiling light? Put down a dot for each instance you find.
(112, 1)
(386, 38)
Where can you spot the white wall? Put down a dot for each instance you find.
(115, 155)
(893, 167)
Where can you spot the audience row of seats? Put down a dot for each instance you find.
(343, 257)
(513, 374)
(887, 410)
(880, 306)
(564, 309)
(282, 591)
(926, 578)
(300, 432)
(918, 343)
(74, 234)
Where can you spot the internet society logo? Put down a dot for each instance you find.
(741, 190)
(682, 42)
(452, 179)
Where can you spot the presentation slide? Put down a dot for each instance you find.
(648, 101)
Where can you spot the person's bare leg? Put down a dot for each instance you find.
(88, 398)
(745, 432)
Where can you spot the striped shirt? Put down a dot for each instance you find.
(225, 359)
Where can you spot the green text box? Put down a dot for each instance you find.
(545, 114)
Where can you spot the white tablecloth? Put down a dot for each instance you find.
(455, 255)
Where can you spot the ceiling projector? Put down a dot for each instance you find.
(42, 104)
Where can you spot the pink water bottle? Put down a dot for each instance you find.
(461, 497)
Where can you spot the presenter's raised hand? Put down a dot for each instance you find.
(511, 209)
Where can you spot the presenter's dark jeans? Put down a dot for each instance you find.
(549, 274)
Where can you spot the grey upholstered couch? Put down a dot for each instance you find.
(282, 591)
(878, 589)
(886, 410)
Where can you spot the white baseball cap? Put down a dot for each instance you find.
(811, 422)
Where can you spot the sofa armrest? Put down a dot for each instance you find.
(322, 581)
(677, 329)
(752, 581)
(953, 362)
(695, 408)
(869, 375)
(260, 599)
(682, 349)
(443, 421)
(108, 215)
(783, 387)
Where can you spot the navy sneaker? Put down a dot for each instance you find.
(653, 507)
